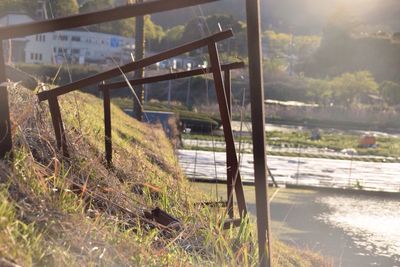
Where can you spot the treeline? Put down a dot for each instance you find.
(347, 89)
(347, 47)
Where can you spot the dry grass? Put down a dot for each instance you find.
(76, 212)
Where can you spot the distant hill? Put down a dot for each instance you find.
(300, 16)
(380, 56)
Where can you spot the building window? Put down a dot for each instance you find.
(40, 38)
(31, 56)
(40, 57)
(75, 51)
(75, 38)
(36, 56)
(63, 38)
(55, 49)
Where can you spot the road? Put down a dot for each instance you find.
(303, 171)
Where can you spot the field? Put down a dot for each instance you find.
(295, 142)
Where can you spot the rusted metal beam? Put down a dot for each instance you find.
(229, 152)
(58, 126)
(170, 76)
(5, 123)
(258, 131)
(122, 12)
(95, 79)
(228, 134)
(107, 127)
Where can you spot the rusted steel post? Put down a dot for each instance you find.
(225, 117)
(58, 126)
(258, 126)
(5, 123)
(229, 152)
(139, 74)
(107, 126)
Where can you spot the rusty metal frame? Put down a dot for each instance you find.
(105, 89)
(227, 127)
(53, 94)
(25, 29)
(224, 100)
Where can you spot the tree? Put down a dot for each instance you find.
(61, 8)
(350, 87)
(28, 6)
(390, 91)
(320, 91)
(95, 5)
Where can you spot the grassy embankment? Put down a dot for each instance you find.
(334, 141)
(75, 212)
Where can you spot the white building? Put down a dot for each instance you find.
(75, 46)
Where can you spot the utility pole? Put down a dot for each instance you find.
(188, 92)
(169, 89)
(139, 54)
(258, 126)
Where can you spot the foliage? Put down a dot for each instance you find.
(390, 92)
(94, 5)
(18, 6)
(61, 8)
(282, 44)
(345, 48)
(200, 26)
(172, 37)
(344, 89)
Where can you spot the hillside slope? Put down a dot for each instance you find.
(76, 212)
(299, 16)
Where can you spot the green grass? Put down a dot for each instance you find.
(76, 212)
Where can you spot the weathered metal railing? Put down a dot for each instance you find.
(233, 179)
(52, 95)
(231, 171)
